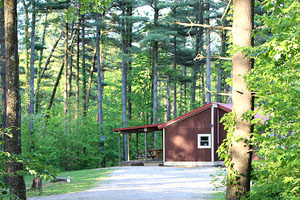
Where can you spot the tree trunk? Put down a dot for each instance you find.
(3, 76)
(83, 67)
(49, 58)
(175, 67)
(220, 69)
(240, 152)
(37, 103)
(77, 73)
(124, 81)
(155, 67)
(13, 144)
(129, 27)
(91, 77)
(66, 78)
(31, 104)
(100, 93)
(168, 100)
(71, 60)
(26, 42)
(199, 33)
(208, 68)
(55, 86)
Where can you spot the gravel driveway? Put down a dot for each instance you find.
(148, 183)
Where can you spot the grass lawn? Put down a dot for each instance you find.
(80, 180)
(219, 196)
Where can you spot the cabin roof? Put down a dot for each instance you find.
(138, 129)
(225, 107)
(157, 127)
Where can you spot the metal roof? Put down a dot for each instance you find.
(138, 129)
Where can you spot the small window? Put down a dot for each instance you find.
(204, 141)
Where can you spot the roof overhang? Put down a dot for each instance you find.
(139, 129)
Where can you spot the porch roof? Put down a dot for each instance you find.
(138, 129)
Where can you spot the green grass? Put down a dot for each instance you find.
(219, 196)
(80, 180)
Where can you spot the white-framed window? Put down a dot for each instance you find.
(204, 141)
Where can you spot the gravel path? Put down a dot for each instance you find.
(148, 183)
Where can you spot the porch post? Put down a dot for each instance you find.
(145, 130)
(119, 137)
(128, 147)
(137, 144)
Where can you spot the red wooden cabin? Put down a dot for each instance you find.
(189, 140)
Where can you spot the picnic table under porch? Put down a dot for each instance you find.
(151, 152)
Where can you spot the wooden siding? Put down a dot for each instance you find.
(181, 139)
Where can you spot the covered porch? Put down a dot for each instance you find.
(138, 145)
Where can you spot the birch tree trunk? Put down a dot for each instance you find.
(240, 152)
(13, 144)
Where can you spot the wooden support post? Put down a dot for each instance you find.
(128, 147)
(145, 130)
(153, 142)
(137, 145)
(119, 146)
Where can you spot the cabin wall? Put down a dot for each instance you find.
(181, 139)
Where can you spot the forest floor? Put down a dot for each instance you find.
(148, 183)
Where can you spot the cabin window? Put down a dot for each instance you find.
(204, 141)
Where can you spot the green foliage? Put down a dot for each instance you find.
(78, 148)
(275, 78)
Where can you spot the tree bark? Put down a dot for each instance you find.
(168, 99)
(91, 76)
(27, 42)
(49, 58)
(155, 66)
(77, 72)
(3, 76)
(129, 27)
(199, 34)
(31, 80)
(124, 81)
(13, 144)
(66, 78)
(83, 67)
(38, 81)
(100, 93)
(240, 152)
(220, 69)
(71, 60)
(208, 67)
(55, 86)
(175, 67)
